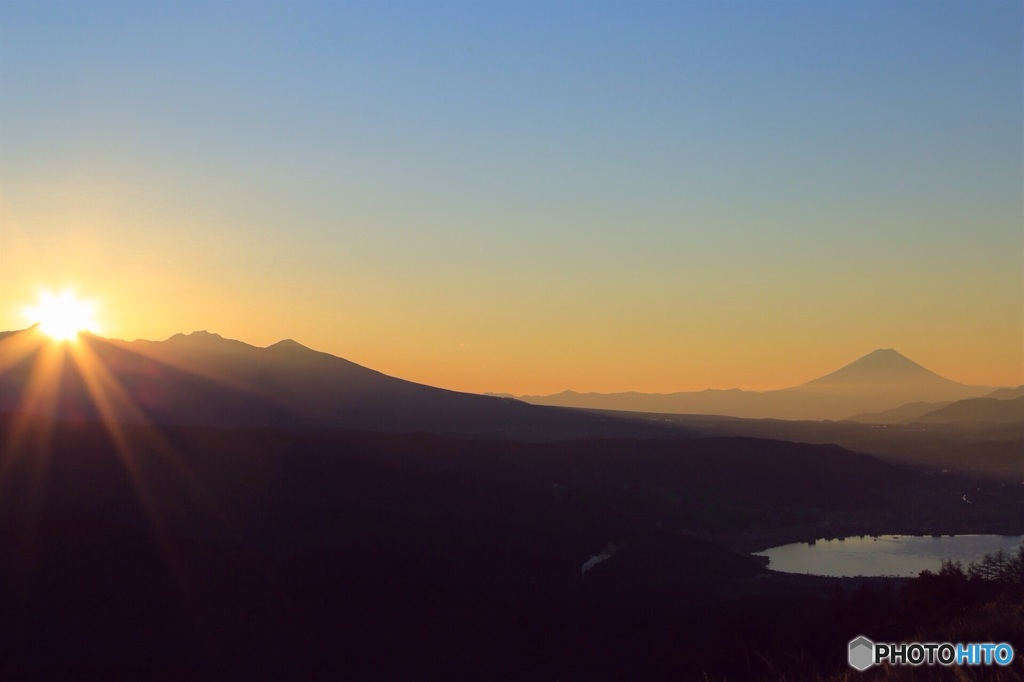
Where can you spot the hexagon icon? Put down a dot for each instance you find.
(862, 653)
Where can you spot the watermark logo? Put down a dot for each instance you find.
(863, 653)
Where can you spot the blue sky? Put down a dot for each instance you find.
(820, 177)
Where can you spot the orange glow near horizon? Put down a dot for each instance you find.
(644, 204)
(519, 343)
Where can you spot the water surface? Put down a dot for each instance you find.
(884, 555)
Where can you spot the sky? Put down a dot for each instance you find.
(528, 197)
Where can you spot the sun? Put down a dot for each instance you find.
(63, 316)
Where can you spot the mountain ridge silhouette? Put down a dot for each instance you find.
(205, 379)
(881, 368)
(202, 375)
(882, 380)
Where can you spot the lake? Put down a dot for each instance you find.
(884, 555)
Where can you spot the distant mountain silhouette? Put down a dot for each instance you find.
(881, 380)
(988, 410)
(1006, 393)
(210, 552)
(884, 371)
(905, 414)
(205, 379)
(898, 415)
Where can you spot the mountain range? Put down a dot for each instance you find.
(1004, 405)
(881, 380)
(204, 379)
(278, 523)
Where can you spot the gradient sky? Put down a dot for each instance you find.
(528, 196)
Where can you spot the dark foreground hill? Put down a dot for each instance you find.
(204, 379)
(983, 447)
(160, 552)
